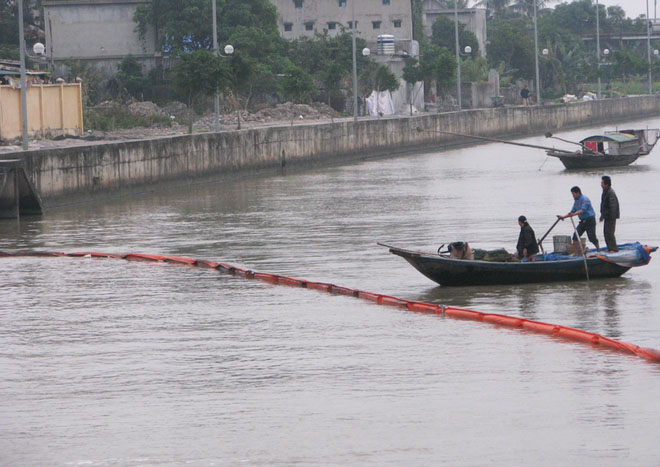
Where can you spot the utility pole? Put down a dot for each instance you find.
(355, 85)
(648, 45)
(215, 51)
(598, 48)
(21, 39)
(458, 56)
(536, 58)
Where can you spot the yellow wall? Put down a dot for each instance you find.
(51, 108)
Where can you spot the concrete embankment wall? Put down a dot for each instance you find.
(64, 172)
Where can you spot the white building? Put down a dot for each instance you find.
(299, 18)
(373, 18)
(98, 32)
(474, 20)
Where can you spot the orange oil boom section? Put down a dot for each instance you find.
(593, 339)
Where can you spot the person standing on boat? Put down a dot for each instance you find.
(527, 247)
(585, 212)
(609, 212)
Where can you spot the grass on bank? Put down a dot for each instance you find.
(120, 118)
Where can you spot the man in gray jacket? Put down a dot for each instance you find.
(609, 212)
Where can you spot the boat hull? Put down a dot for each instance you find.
(589, 161)
(455, 272)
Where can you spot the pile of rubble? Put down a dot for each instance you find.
(281, 113)
(179, 116)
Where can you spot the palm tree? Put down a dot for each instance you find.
(496, 8)
(449, 4)
(526, 7)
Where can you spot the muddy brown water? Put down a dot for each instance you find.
(108, 362)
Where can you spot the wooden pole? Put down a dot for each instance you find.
(495, 140)
(584, 256)
(546, 234)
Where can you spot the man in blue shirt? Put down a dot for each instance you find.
(585, 212)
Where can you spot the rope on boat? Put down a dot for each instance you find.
(555, 330)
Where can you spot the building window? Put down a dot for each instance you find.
(376, 24)
(288, 26)
(342, 3)
(386, 2)
(397, 23)
(297, 3)
(350, 24)
(309, 26)
(332, 25)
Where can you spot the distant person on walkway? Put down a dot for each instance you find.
(527, 247)
(609, 212)
(585, 212)
(524, 93)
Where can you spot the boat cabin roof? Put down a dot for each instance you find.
(612, 138)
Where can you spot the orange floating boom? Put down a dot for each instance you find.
(563, 332)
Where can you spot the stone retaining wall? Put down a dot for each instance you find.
(78, 170)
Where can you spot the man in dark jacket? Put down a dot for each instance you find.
(609, 212)
(527, 247)
(524, 93)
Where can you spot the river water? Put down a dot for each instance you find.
(109, 362)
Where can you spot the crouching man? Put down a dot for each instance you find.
(527, 247)
(460, 250)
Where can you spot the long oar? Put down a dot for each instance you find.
(584, 148)
(584, 256)
(495, 140)
(540, 242)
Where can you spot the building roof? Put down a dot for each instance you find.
(13, 67)
(617, 138)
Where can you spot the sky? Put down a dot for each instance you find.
(633, 8)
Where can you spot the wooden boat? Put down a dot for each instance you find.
(623, 147)
(611, 149)
(549, 266)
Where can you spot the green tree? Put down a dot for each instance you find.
(438, 65)
(297, 85)
(374, 77)
(579, 16)
(131, 79)
(250, 26)
(329, 60)
(526, 7)
(561, 69)
(449, 4)
(417, 22)
(93, 91)
(496, 8)
(626, 63)
(200, 73)
(185, 25)
(33, 23)
(413, 74)
(444, 35)
(474, 69)
(512, 43)
(256, 61)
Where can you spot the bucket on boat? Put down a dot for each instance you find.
(564, 243)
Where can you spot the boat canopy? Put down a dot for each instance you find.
(613, 138)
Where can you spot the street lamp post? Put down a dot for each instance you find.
(458, 57)
(355, 83)
(598, 48)
(21, 40)
(229, 49)
(536, 59)
(606, 53)
(648, 45)
(215, 51)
